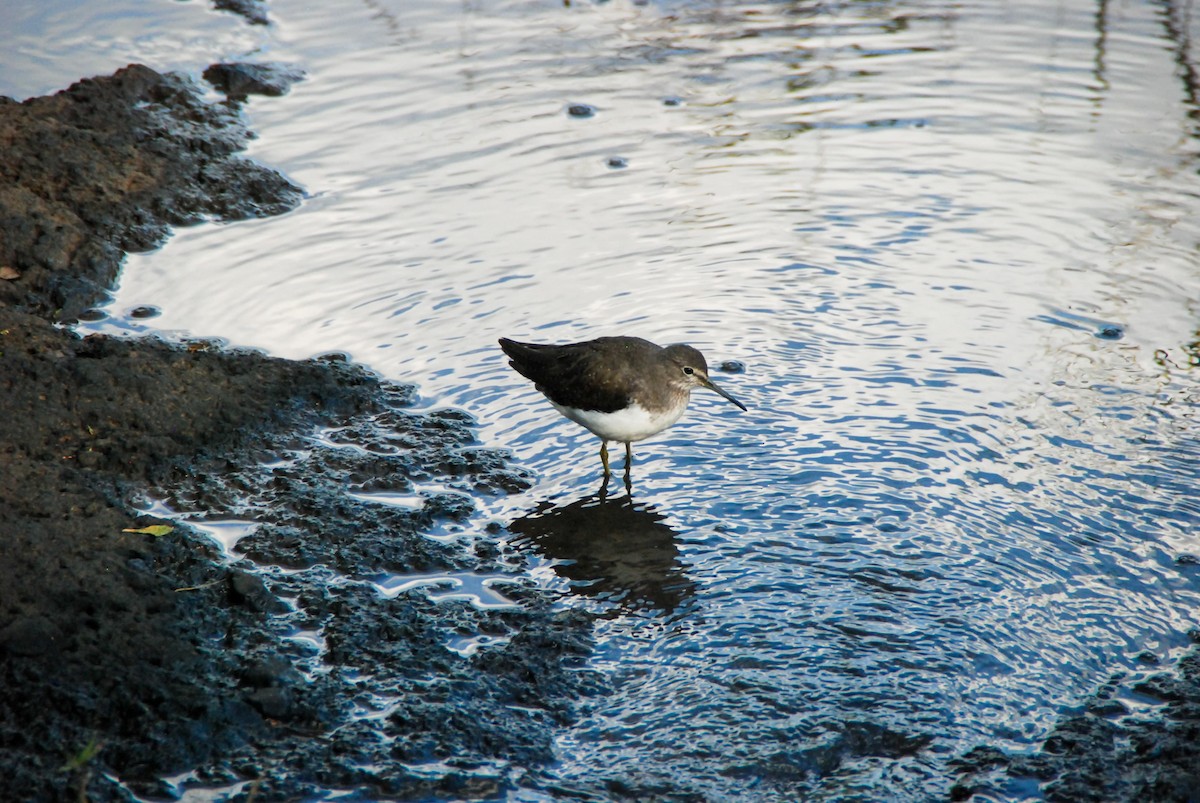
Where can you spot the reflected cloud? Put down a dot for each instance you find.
(615, 550)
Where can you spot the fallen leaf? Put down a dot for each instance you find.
(9, 273)
(81, 759)
(157, 530)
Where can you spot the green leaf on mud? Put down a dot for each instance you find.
(157, 530)
(80, 759)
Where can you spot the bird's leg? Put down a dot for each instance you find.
(604, 458)
(628, 467)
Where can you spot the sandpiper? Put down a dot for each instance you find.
(620, 388)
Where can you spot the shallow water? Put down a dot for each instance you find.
(955, 248)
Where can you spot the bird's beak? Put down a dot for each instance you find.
(708, 383)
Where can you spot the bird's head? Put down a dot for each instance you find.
(693, 371)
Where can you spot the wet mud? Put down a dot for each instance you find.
(1136, 738)
(141, 663)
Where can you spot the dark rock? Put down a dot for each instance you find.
(254, 11)
(961, 791)
(107, 166)
(1109, 753)
(1107, 708)
(237, 80)
(249, 590)
(981, 758)
(845, 742)
(272, 671)
(274, 701)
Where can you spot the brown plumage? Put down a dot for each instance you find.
(620, 388)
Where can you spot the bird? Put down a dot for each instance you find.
(621, 389)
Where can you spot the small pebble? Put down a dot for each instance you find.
(617, 162)
(238, 79)
(92, 315)
(145, 312)
(581, 110)
(672, 101)
(1107, 708)
(733, 367)
(273, 702)
(1110, 332)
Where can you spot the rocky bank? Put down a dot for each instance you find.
(143, 663)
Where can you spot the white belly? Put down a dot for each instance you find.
(634, 423)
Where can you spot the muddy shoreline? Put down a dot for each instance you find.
(132, 657)
(139, 665)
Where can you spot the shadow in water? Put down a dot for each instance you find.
(612, 549)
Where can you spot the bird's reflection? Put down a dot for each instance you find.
(611, 549)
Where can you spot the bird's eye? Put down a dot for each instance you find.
(689, 370)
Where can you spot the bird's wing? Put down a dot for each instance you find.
(568, 375)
